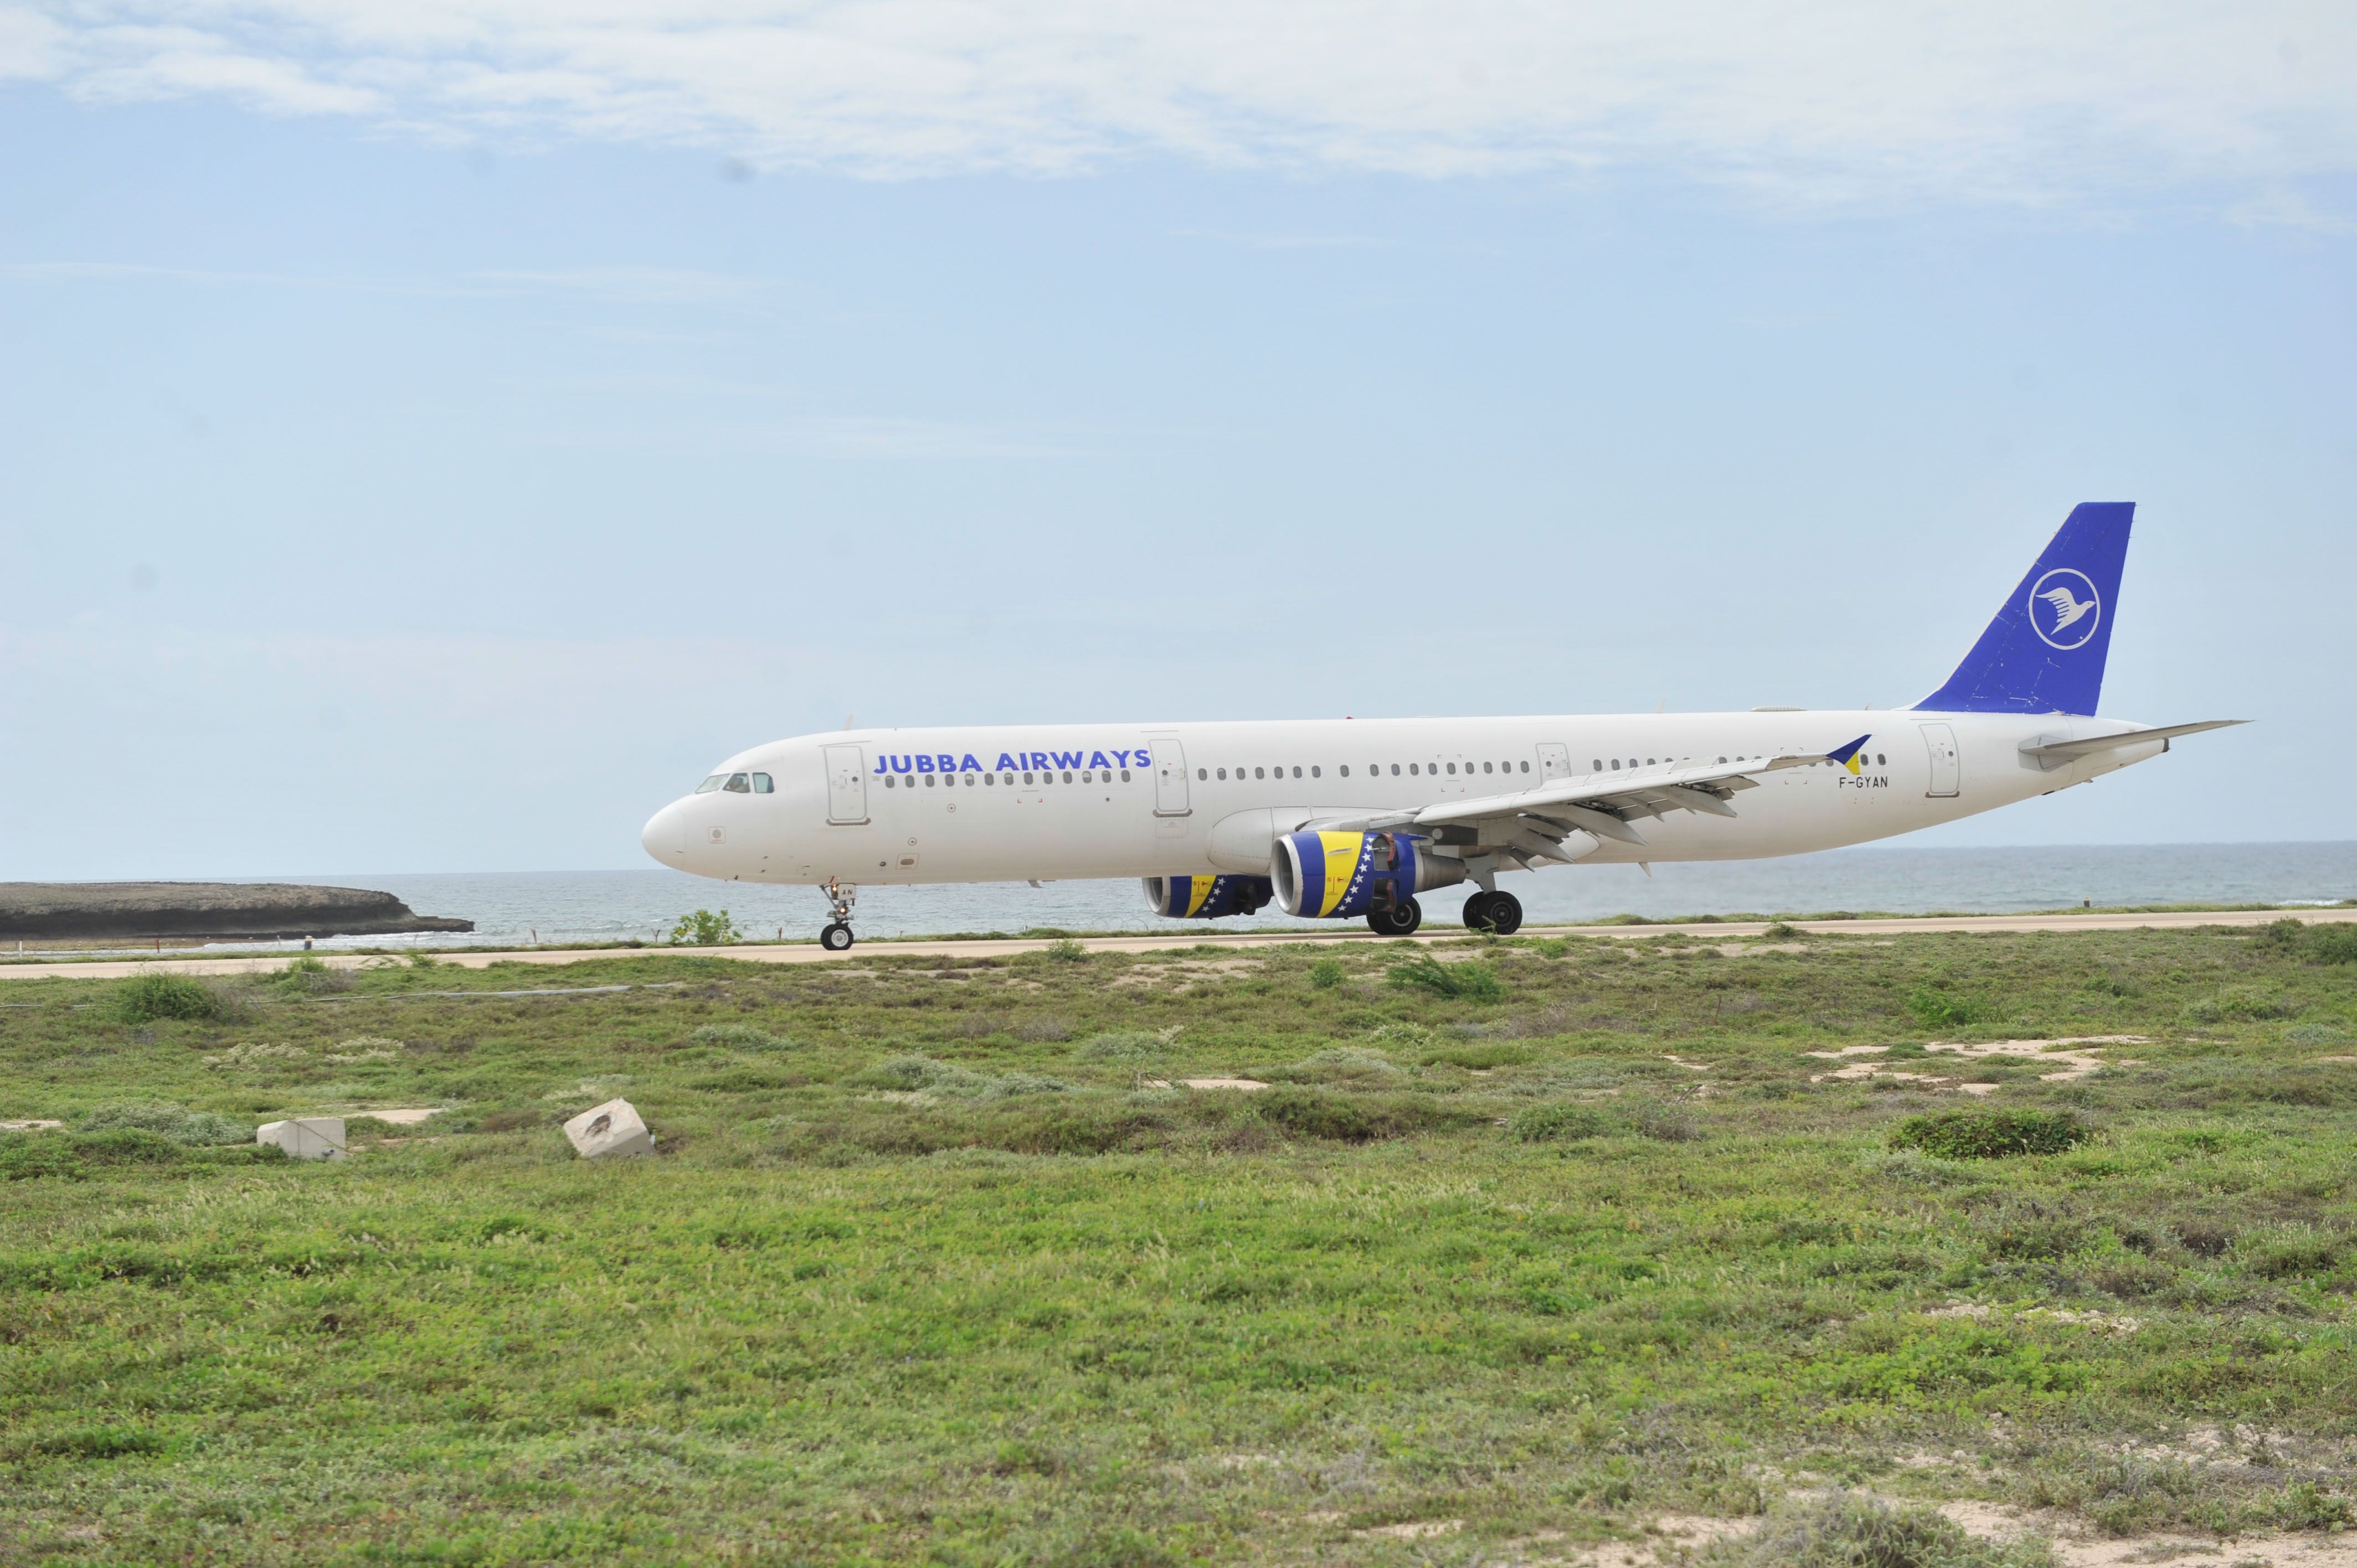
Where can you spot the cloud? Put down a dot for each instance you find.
(2007, 99)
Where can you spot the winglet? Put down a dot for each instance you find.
(1848, 755)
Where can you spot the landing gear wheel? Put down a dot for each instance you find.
(1400, 920)
(1498, 914)
(835, 938)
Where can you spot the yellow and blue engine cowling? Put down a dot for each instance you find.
(1337, 875)
(1206, 897)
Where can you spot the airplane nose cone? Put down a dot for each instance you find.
(665, 834)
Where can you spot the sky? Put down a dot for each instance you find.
(431, 435)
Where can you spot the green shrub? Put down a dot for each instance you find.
(75, 1156)
(1469, 981)
(1314, 1115)
(1939, 1010)
(705, 929)
(1846, 1532)
(1990, 1135)
(1123, 1045)
(307, 976)
(1064, 949)
(144, 998)
(2332, 944)
(2241, 1004)
(1661, 1120)
(1781, 931)
(1905, 1050)
(1557, 1122)
(1326, 973)
(743, 1037)
(194, 1128)
(923, 1075)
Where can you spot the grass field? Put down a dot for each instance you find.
(932, 1267)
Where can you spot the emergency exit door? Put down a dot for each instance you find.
(1555, 759)
(1941, 739)
(1170, 775)
(846, 784)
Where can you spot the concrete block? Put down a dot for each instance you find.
(611, 1129)
(306, 1137)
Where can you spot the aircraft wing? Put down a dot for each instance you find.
(1531, 824)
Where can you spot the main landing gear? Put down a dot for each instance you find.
(1499, 914)
(1398, 920)
(837, 936)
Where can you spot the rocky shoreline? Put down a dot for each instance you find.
(218, 911)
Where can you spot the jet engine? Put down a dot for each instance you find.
(1206, 897)
(1337, 875)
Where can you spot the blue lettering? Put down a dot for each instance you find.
(882, 767)
(900, 764)
(1121, 758)
(1006, 764)
(1036, 760)
(946, 763)
(1065, 758)
(924, 763)
(1142, 759)
(970, 765)
(1096, 759)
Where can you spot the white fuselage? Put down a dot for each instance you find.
(1055, 801)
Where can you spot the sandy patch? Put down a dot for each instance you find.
(2075, 1064)
(1690, 1067)
(2110, 1323)
(1414, 1529)
(405, 1116)
(1243, 1083)
(1993, 1521)
(32, 1124)
(2337, 1058)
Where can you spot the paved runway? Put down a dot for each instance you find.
(811, 952)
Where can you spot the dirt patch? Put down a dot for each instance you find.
(405, 1116)
(1414, 1529)
(35, 1124)
(2075, 1064)
(1995, 1522)
(1243, 1083)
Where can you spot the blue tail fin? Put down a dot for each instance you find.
(2044, 651)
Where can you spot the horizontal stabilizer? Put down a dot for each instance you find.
(2071, 750)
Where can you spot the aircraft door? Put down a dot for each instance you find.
(1945, 771)
(1555, 760)
(846, 784)
(1170, 775)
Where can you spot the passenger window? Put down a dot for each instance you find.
(1224, 773)
(1068, 776)
(1394, 769)
(1297, 773)
(969, 780)
(1200, 773)
(1345, 770)
(1258, 773)
(1596, 764)
(1313, 770)
(1415, 768)
(1879, 760)
(738, 784)
(988, 779)
(761, 784)
(1124, 775)
(889, 782)
(1027, 778)
(1526, 768)
(1485, 768)
(1616, 765)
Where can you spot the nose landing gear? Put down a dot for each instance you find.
(836, 935)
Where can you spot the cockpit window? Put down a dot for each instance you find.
(709, 785)
(761, 784)
(739, 784)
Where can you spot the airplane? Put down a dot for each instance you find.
(1348, 818)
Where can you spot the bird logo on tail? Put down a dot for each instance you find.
(2059, 613)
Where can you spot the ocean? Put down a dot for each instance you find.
(611, 906)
